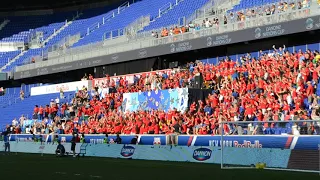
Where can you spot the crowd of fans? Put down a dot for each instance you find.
(235, 16)
(277, 86)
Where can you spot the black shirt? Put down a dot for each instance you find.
(177, 128)
(118, 140)
(73, 140)
(134, 140)
(61, 148)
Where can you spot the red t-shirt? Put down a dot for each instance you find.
(36, 110)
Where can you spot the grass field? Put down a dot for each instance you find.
(48, 167)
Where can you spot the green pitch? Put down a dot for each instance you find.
(48, 167)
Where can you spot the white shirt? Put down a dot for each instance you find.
(207, 24)
(289, 99)
(298, 77)
(14, 122)
(295, 130)
(57, 100)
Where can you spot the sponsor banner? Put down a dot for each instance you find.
(37, 147)
(127, 151)
(249, 34)
(236, 156)
(55, 88)
(202, 154)
(258, 141)
(158, 99)
(245, 142)
(96, 139)
(128, 77)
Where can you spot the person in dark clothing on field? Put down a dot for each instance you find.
(118, 139)
(134, 140)
(60, 151)
(73, 144)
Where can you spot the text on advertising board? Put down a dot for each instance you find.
(127, 151)
(269, 31)
(202, 154)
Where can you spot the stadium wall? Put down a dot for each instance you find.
(272, 157)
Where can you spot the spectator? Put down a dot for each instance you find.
(15, 122)
(57, 101)
(1, 91)
(35, 112)
(21, 94)
(134, 140)
(118, 139)
(61, 94)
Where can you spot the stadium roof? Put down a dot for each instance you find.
(19, 5)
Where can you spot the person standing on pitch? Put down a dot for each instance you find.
(73, 144)
(6, 142)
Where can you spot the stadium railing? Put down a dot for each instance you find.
(96, 50)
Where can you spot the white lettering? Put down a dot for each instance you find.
(130, 151)
(202, 153)
(96, 141)
(185, 46)
(274, 28)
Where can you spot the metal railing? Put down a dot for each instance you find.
(138, 25)
(97, 50)
(107, 17)
(11, 46)
(113, 34)
(123, 6)
(165, 8)
(94, 26)
(58, 48)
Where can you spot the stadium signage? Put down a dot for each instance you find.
(247, 144)
(127, 151)
(42, 71)
(202, 154)
(235, 143)
(269, 31)
(143, 53)
(180, 47)
(55, 88)
(219, 40)
(283, 28)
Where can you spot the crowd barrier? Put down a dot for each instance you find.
(241, 156)
(304, 142)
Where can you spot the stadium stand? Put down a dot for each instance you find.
(244, 84)
(115, 22)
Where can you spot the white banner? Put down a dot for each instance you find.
(55, 88)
